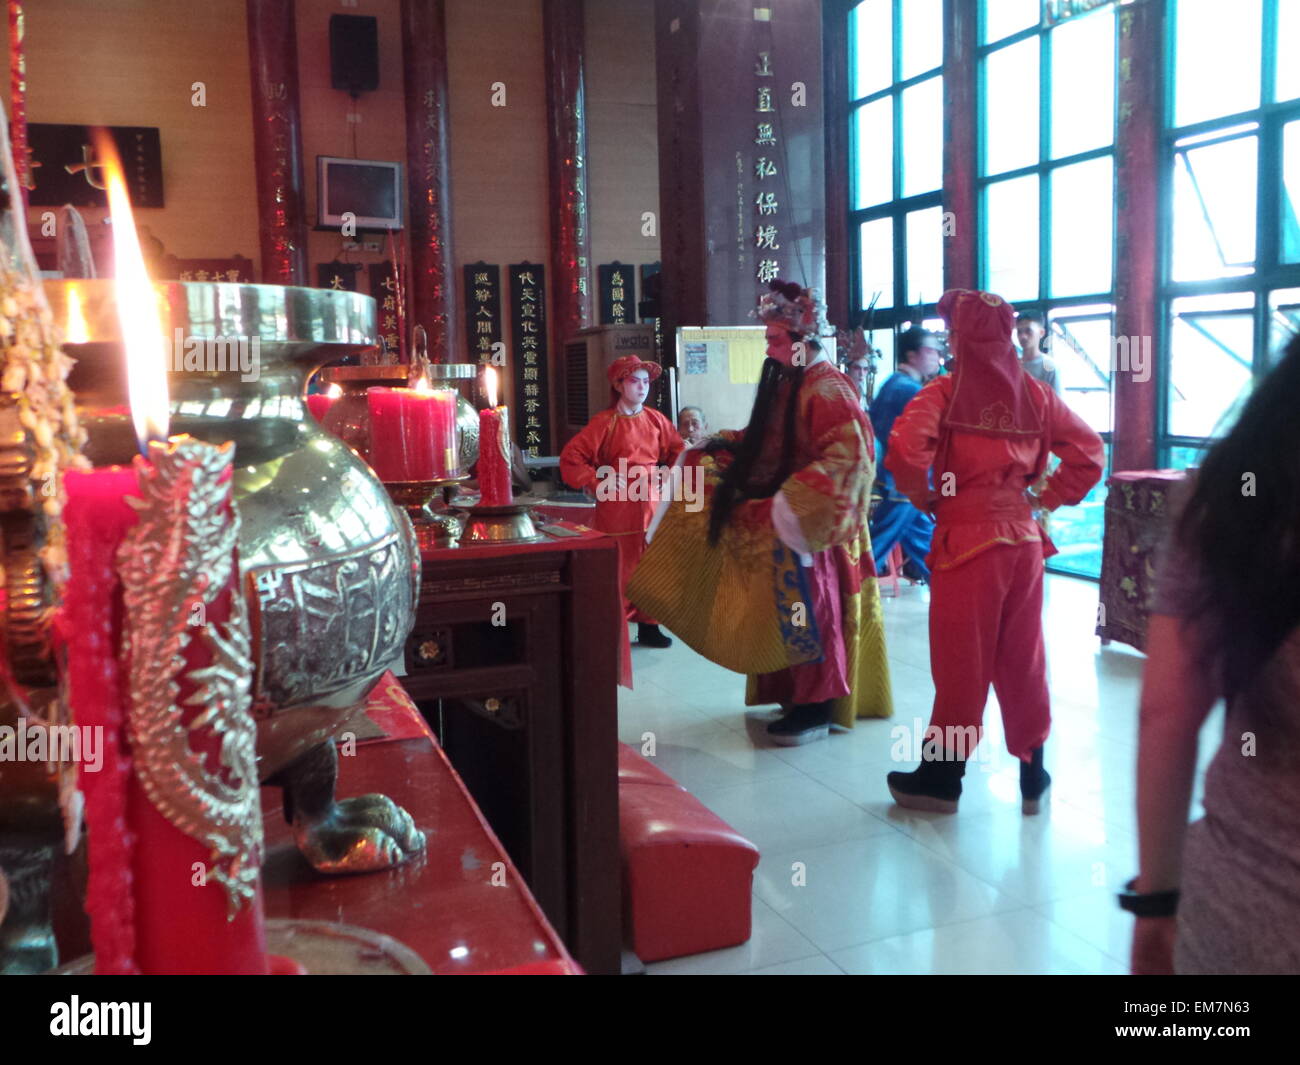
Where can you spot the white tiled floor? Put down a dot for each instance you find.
(850, 883)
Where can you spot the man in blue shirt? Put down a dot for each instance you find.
(895, 520)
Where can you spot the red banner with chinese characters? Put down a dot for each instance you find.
(386, 288)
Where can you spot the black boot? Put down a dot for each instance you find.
(650, 636)
(1034, 782)
(935, 785)
(805, 723)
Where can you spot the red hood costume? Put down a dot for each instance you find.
(987, 431)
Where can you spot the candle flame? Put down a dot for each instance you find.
(423, 385)
(490, 385)
(334, 391)
(137, 307)
(75, 326)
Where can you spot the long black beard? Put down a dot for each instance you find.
(737, 484)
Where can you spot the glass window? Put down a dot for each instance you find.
(923, 137)
(876, 263)
(871, 34)
(874, 153)
(1011, 107)
(1081, 349)
(1082, 227)
(1217, 58)
(1290, 199)
(1005, 17)
(922, 36)
(1284, 320)
(1011, 215)
(1083, 84)
(1288, 70)
(924, 246)
(1214, 209)
(1210, 362)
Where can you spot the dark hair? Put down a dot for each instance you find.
(1039, 319)
(736, 481)
(911, 340)
(1245, 545)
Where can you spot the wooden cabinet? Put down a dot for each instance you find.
(513, 662)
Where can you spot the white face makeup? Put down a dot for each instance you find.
(634, 389)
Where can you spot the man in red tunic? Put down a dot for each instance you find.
(987, 431)
(617, 457)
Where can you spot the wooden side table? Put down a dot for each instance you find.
(1138, 515)
(513, 661)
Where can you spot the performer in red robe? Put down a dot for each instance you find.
(987, 431)
(617, 457)
(774, 577)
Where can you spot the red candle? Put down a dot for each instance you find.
(319, 403)
(494, 448)
(412, 433)
(97, 517)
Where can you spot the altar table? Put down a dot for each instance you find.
(444, 905)
(513, 661)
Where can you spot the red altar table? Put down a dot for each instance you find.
(444, 905)
(513, 660)
(1138, 512)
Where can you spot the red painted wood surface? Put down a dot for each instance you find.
(444, 904)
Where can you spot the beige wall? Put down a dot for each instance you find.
(132, 62)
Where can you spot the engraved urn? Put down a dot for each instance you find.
(330, 565)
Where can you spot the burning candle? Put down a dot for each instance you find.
(412, 432)
(494, 448)
(320, 403)
(158, 657)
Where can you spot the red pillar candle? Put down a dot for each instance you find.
(319, 403)
(97, 517)
(494, 448)
(412, 433)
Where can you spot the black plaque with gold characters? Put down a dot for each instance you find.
(617, 283)
(528, 357)
(483, 312)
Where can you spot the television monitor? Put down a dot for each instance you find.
(368, 188)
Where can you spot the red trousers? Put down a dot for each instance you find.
(986, 627)
(626, 522)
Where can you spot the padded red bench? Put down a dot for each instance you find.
(687, 875)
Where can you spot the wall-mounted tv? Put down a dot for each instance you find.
(367, 188)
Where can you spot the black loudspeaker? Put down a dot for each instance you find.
(354, 53)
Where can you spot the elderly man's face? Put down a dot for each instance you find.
(691, 426)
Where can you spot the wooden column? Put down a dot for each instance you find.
(277, 141)
(431, 292)
(960, 198)
(567, 155)
(1137, 264)
(835, 103)
(741, 154)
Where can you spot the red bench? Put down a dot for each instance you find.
(687, 875)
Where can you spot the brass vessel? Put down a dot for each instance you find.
(330, 565)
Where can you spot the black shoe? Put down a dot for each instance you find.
(934, 785)
(651, 636)
(803, 724)
(1034, 782)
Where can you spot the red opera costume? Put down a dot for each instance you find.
(614, 444)
(987, 432)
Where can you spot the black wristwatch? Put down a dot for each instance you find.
(1151, 904)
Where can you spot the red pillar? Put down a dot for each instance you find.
(960, 247)
(277, 141)
(567, 154)
(431, 292)
(835, 97)
(1137, 166)
(18, 97)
